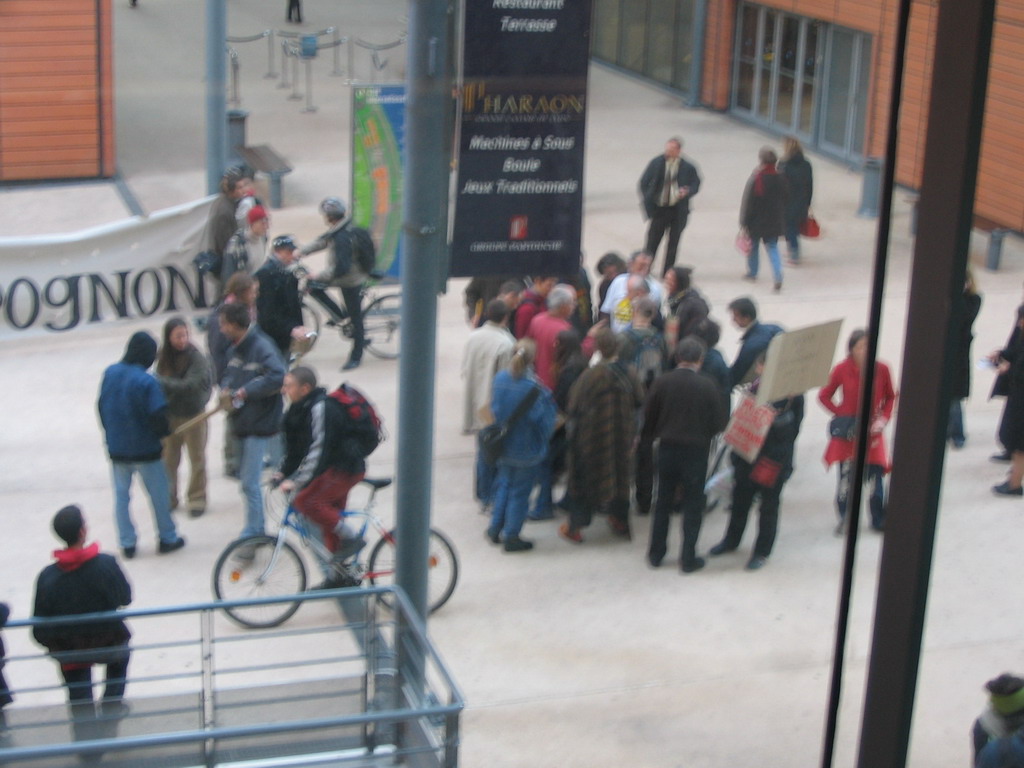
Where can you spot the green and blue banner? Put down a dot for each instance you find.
(378, 149)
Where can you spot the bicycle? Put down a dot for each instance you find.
(381, 315)
(270, 566)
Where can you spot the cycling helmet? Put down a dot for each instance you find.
(333, 207)
(284, 241)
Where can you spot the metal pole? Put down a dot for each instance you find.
(700, 23)
(270, 55)
(351, 43)
(337, 53)
(424, 246)
(216, 103)
(963, 42)
(284, 66)
(235, 98)
(309, 87)
(295, 95)
(867, 384)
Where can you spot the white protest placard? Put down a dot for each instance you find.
(748, 428)
(798, 361)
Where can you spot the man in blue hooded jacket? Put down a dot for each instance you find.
(133, 411)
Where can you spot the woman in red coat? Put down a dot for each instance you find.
(845, 378)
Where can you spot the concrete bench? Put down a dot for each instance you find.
(263, 159)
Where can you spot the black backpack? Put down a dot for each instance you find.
(364, 252)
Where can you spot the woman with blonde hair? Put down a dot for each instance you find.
(525, 406)
(799, 189)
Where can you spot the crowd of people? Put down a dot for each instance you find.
(625, 409)
(153, 408)
(615, 403)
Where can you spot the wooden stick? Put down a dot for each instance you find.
(198, 419)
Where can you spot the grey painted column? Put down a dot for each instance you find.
(700, 23)
(424, 245)
(216, 101)
(962, 46)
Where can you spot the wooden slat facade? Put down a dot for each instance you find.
(56, 90)
(1000, 197)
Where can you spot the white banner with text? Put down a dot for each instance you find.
(131, 269)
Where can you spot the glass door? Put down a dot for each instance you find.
(844, 101)
(776, 69)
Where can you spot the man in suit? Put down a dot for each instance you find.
(667, 184)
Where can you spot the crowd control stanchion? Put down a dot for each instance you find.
(309, 87)
(351, 79)
(267, 34)
(295, 95)
(338, 40)
(377, 63)
(284, 66)
(269, 55)
(235, 98)
(308, 51)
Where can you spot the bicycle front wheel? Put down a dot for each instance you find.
(256, 567)
(382, 320)
(442, 567)
(311, 321)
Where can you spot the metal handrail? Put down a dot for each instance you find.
(393, 643)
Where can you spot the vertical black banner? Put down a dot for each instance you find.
(519, 204)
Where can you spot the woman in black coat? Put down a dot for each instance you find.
(961, 381)
(1011, 427)
(762, 213)
(763, 477)
(800, 188)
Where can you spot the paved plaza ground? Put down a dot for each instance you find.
(570, 657)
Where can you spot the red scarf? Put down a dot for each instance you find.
(766, 170)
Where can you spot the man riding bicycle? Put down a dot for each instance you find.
(343, 270)
(317, 466)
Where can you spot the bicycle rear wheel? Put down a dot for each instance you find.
(382, 321)
(442, 567)
(255, 567)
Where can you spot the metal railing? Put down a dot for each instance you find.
(378, 64)
(204, 692)
(268, 35)
(290, 50)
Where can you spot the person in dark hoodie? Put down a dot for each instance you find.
(83, 580)
(133, 411)
(251, 387)
(317, 467)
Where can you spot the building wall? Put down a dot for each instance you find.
(1000, 194)
(56, 90)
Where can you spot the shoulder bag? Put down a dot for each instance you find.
(491, 439)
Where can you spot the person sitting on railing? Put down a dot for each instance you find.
(318, 466)
(83, 580)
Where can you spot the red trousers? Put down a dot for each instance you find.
(323, 500)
